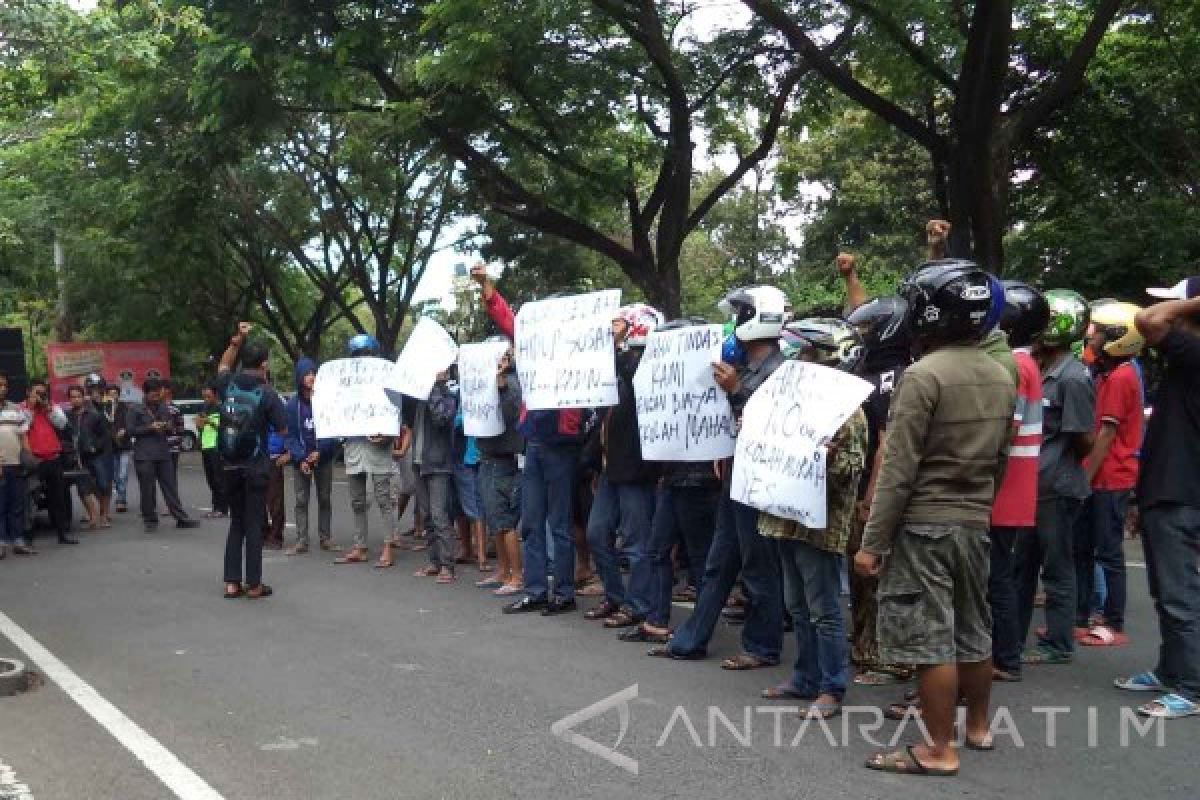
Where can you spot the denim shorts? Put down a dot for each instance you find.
(466, 487)
(100, 468)
(500, 488)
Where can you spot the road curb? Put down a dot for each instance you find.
(12, 676)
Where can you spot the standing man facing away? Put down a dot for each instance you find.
(1169, 495)
(312, 459)
(250, 409)
(945, 455)
(151, 424)
(122, 447)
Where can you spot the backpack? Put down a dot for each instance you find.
(238, 439)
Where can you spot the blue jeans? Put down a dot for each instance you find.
(737, 547)
(684, 514)
(812, 583)
(546, 492)
(628, 508)
(1099, 542)
(1172, 547)
(13, 488)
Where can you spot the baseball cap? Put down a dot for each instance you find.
(1186, 289)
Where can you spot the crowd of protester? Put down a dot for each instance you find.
(992, 469)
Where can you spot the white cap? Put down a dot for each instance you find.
(1186, 289)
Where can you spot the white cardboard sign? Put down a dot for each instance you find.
(479, 394)
(428, 351)
(779, 466)
(682, 414)
(349, 399)
(564, 351)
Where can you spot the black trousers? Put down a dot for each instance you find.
(58, 501)
(214, 475)
(160, 474)
(247, 511)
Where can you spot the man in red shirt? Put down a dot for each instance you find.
(1014, 513)
(46, 420)
(1112, 468)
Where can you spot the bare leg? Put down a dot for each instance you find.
(105, 508)
(93, 510)
(975, 684)
(939, 701)
(503, 568)
(511, 543)
(464, 538)
(583, 557)
(480, 538)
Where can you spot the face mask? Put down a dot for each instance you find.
(732, 351)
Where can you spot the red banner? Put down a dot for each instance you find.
(123, 364)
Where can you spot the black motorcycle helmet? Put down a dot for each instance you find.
(949, 301)
(1026, 313)
(828, 341)
(887, 339)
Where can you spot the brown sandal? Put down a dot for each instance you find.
(357, 555)
(426, 572)
(744, 661)
(602, 611)
(623, 619)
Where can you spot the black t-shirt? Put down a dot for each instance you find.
(1171, 453)
(877, 407)
(272, 412)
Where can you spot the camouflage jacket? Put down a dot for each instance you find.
(845, 468)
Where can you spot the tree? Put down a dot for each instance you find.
(973, 84)
(561, 113)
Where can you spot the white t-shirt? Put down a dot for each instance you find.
(14, 423)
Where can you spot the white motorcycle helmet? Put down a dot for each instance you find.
(641, 321)
(758, 312)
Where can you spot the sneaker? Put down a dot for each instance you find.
(1170, 706)
(1142, 682)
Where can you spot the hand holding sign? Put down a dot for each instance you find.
(781, 454)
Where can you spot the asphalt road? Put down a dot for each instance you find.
(361, 683)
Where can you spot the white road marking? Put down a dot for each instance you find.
(165, 766)
(10, 787)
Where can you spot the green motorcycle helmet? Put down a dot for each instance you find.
(1069, 318)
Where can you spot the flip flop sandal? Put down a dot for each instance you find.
(1003, 676)
(426, 572)
(876, 678)
(508, 591)
(784, 691)
(1104, 636)
(744, 662)
(640, 634)
(822, 711)
(1142, 682)
(384, 564)
(602, 611)
(1170, 706)
(986, 746)
(445, 579)
(623, 619)
(351, 558)
(241, 592)
(906, 763)
(899, 712)
(488, 583)
(264, 592)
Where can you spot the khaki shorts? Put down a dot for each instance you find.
(933, 606)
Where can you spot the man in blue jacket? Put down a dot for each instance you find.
(313, 461)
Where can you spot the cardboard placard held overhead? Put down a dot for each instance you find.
(428, 351)
(565, 353)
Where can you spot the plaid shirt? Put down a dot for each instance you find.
(842, 476)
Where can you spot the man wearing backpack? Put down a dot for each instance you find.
(250, 408)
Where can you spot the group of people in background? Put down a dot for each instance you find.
(996, 459)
